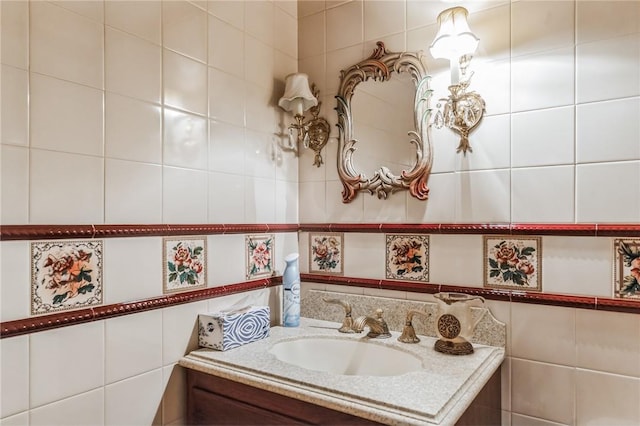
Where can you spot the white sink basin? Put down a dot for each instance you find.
(354, 357)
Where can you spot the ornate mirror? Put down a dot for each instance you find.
(383, 112)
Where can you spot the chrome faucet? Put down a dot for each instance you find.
(408, 332)
(378, 328)
(347, 322)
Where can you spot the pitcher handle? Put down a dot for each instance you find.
(485, 309)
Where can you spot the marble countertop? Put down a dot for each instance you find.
(439, 393)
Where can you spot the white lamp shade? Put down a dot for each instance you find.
(454, 38)
(297, 95)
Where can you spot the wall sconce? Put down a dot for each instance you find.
(298, 98)
(462, 110)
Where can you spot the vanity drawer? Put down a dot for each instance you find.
(212, 400)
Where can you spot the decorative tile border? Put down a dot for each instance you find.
(53, 232)
(514, 263)
(626, 268)
(326, 253)
(98, 313)
(259, 255)
(184, 263)
(407, 257)
(65, 275)
(80, 316)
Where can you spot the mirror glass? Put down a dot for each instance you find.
(383, 114)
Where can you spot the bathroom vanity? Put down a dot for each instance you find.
(356, 381)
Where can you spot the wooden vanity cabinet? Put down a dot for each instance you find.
(212, 400)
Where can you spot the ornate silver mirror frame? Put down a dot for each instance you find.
(380, 66)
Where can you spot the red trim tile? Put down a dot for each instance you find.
(618, 230)
(475, 228)
(587, 229)
(409, 228)
(61, 319)
(45, 232)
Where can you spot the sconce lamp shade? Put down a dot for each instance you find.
(297, 94)
(454, 38)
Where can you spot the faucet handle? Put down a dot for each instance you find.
(408, 332)
(382, 322)
(347, 322)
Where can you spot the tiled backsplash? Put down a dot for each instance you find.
(488, 331)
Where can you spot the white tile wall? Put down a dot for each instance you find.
(133, 345)
(530, 83)
(66, 45)
(14, 184)
(133, 65)
(180, 330)
(619, 407)
(185, 140)
(14, 370)
(601, 143)
(531, 200)
(184, 29)
(15, 109)
(175, 387)
(184, 82)
(552, 340)
(84, 409)
(541, 390)
(141, 18)
(65, 116)
(537, 27)
(49, 176)
(589, 260)
(543, 137)
(595, 199)
(454, 259)
(15, 34)
(184, 195)
(79, 346)
(226, 198)
(608, 69)
(133, 192)
(134, 400)
(606, 340)
(123, 281)
(133, 129)
(226, 47)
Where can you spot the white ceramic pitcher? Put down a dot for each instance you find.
(454, 322)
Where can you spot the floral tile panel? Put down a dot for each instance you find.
(65, 275)
(326, 253)
(626, 268)
(513, 263)
(184, 263)
(407, 257)
(259, 255)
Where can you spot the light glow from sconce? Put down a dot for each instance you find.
(454, 38)
(299, 97)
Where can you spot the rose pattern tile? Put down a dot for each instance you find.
(65, 275)
(513, 263)
(260, 249)
(626, 265)
(407, 257)
(184, 263)
(326, 254)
